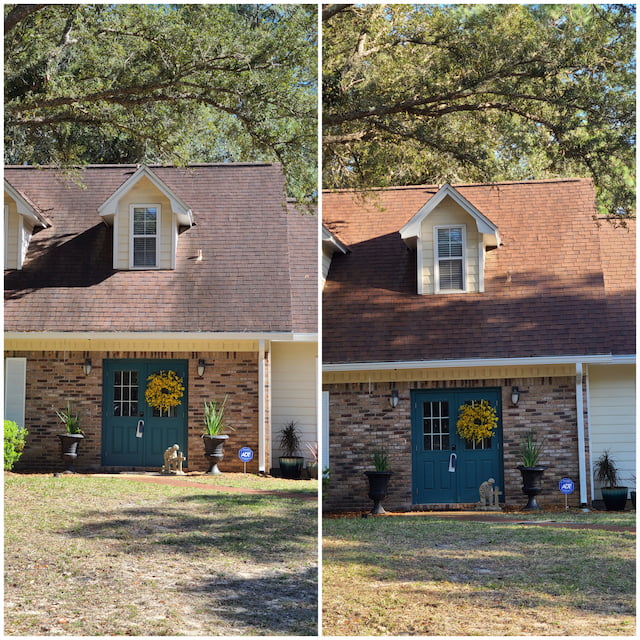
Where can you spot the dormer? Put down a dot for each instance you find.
(21, 219)
(146, 216)
(451, 238)
(330, 245)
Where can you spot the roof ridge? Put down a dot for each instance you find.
(456, 185)
(132, 165)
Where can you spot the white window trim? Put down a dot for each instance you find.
(436, 258)
(141, 205)
(6, 236)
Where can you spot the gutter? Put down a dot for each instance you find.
(606, 358)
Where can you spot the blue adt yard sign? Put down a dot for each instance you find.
(245, 454)
(566, 486)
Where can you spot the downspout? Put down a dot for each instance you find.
(582, 454)
(262, 454)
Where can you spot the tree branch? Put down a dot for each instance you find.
(19, 13)
(330, 10)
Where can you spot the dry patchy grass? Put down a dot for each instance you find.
(423, 576)
(105, 556)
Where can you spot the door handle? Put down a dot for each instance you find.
(140, 429)
(453, 461)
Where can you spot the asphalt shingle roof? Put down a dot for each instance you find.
(257, 273)
(560, 284)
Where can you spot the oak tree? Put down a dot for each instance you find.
(452, 93)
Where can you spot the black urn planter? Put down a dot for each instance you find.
(69, 449)
(532, 484)
(378, 485)
(615, 498)
(213, 451)
(291, 467)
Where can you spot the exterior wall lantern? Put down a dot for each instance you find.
(201, 367)
(515, 396)
(393, 399)
(86, 367)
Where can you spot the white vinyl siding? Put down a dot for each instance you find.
(612, 417)
(294, 393)
(450, 258)
(15, 377)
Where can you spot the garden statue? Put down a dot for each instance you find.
(489, 493)
(173, 460)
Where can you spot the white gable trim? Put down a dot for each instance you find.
(109, 207)
(25, 209)
(331, 242)
(412, 230)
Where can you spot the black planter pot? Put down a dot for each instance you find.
(69, 449)
(378, 485)
(532, 484)
(291, 467)
(615, 498)
(213, 451)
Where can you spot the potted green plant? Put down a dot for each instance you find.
(531, 471)
(70, 440)
(379, 480)
(312, 465)
(606, 472)
(290, 464)
(213, 436)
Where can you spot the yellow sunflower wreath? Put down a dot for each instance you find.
(164, 390)
(477, 421)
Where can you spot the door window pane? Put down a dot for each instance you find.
(435, 425)
(125, 393)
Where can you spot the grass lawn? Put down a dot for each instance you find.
(420, 575)
(108, 556)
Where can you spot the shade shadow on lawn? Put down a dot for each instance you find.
(248, 560)
(506, 568)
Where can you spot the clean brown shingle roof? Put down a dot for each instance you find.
(249, 280)
(544, 293)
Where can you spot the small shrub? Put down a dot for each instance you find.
(14, 441)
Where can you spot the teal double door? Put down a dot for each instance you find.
(134, 434)
(446, 467)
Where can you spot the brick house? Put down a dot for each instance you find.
(119, 272)
(436, 297)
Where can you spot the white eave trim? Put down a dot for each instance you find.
(25, 208)
(186, 336)
(329, 239)
(109, 207)
(479, 362)
(412, 229)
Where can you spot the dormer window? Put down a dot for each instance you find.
(451, 238)
(450, 269)
(147, 217)
(144, 233)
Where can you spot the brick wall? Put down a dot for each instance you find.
(54, 378)
(360, 419)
